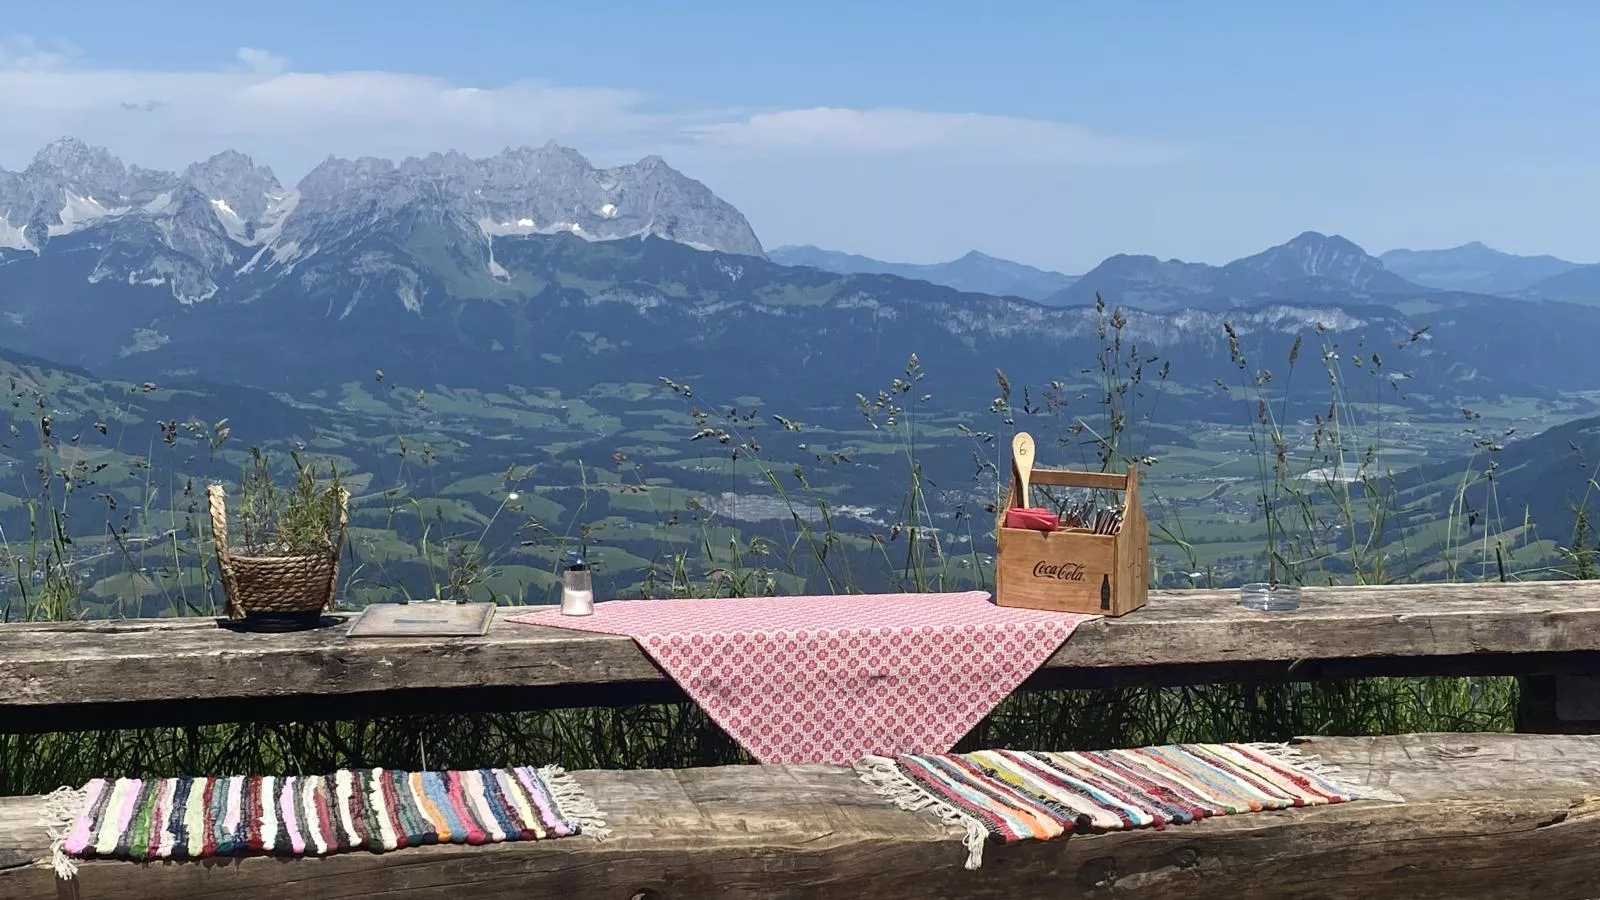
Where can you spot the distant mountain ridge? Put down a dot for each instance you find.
(226, 215)
(1329, 257)
(975, 272)
(1549, 473)
(1311, 265)
(1580, 284)
(566, 312)
(1475, 267)
(222, 274)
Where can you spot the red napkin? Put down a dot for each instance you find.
(1032, 517)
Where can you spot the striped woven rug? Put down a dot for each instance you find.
(1006, 796)
(353, 809)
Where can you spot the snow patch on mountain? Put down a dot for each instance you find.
(227, 217)
(11, 237)
(235, 226)
(280, 206)
(78, 212)
(518, 227)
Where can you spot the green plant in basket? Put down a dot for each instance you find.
(286, 570)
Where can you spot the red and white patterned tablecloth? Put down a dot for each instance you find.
(833, 679)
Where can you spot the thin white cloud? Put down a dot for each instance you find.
(900, 131)
(262, 61)
(23, 52)
(292, 119)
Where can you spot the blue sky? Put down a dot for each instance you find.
(1053, 133)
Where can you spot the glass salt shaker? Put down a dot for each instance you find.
(577, 588)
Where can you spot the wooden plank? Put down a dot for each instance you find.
(1513, 626)
(1487, 816)
(1108, 481)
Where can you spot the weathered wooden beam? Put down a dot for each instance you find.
(1487, 816)
(48, 670)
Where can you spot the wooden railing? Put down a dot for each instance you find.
(174, 671)
(1485, 815)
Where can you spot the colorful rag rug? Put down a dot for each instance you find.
(353, 809)
(1007, 796)
(832, 679)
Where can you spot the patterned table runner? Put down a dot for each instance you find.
(363, 809)
(832, 679)
(1009, 796)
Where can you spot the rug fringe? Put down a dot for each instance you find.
(886, 778)
(61, 810)
(1328, 772)
(574, 803)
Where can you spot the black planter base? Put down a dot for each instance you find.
(279, 623)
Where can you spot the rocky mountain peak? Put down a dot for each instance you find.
(235, 184)
(336, 175)
(228, 216)
(1315, 242)
(1335, 258)
(552, 151)
(535, 190)
(84, 170)
(1138, 263)
(1307, 237)
(515, 173)
(230, 166)
(73, 158)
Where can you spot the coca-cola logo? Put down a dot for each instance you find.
(1062, 571)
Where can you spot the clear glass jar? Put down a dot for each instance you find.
(577, 590)
(1269, 597)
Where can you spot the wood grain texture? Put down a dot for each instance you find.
(1487, 816)
(154, 660)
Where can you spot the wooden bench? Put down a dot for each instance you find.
(164, 671)
(1487, 816)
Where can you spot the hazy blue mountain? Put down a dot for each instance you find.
(1330, 258)
(561, 311)
(1474, 267)
(1155, 284)
(975, 272)
(130, 411)
(1540, 476)
(1577, 285)
(1314, 267)
(221, 274)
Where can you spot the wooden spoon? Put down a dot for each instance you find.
(1022, 459)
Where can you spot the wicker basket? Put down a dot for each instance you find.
(275, 585)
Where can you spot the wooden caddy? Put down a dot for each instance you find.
(1073, 569)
